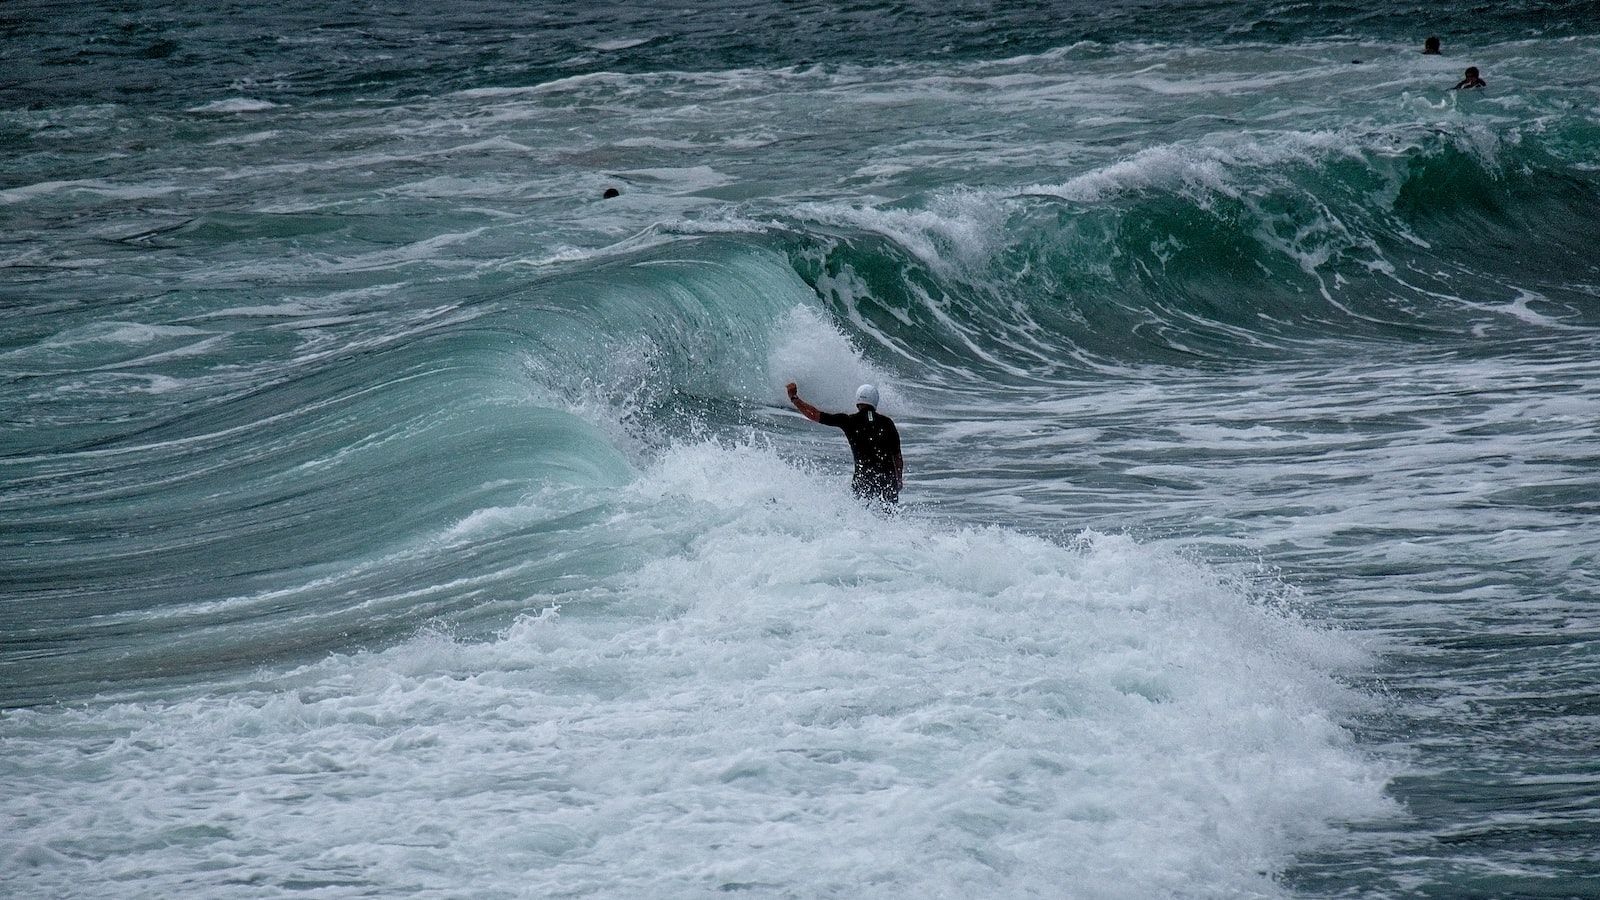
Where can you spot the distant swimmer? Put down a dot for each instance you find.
(611, 192)
(1470, 81)
(1431, 46)
(874, 441)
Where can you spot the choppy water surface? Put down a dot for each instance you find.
(386, 513)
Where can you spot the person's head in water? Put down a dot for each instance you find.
(1470, 79)
(1431, 45)
(611, 192)
(867, 396)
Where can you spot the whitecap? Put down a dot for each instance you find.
(234, 105)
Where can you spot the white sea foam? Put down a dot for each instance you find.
(234, 105)
(1157, 166)
(835, 700)
(616, 44)
(111, 345)
(959, 227)
(812, 351)
(688, 178)
(254, 137)
(89, 186)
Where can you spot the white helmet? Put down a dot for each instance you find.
(867, 394)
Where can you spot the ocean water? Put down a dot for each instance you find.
(386, 513)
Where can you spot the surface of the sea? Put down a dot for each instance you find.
(384, 512)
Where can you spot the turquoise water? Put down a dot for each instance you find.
(387, 513)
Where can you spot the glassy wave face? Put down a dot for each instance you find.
(387, 510)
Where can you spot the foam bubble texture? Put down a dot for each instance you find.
(805, 699)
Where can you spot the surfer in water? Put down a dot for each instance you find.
(874, 441)
(1470, 81)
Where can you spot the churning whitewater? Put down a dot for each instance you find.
(399, 498)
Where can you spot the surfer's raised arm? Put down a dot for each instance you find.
(806, 409)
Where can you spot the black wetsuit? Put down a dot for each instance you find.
(876, 444)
